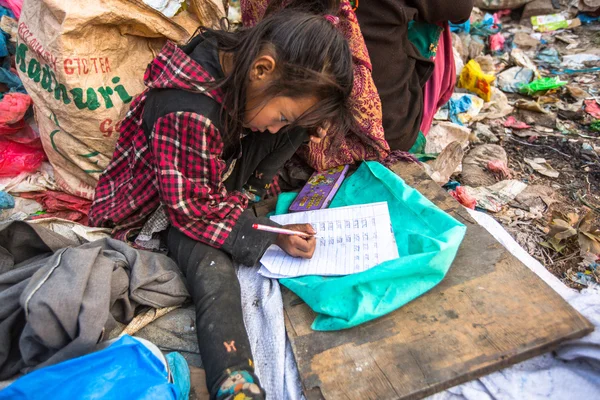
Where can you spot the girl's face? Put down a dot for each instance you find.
(277, 112)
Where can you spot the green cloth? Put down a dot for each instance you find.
(419, 146)
(425, 37)
(427, 240)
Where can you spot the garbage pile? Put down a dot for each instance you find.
(78, 76)
(520, 137)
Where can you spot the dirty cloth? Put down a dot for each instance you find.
(58, 301)
(537, 378)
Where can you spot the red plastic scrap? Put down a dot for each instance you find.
(496, 42)
(13, 107)
(461, 195)
(512, 122)
(61, 205)
(592, 108)
(18, 157)
(499, 169)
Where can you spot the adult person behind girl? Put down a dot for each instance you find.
(397, 46)
(219, 118)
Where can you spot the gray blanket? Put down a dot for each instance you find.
(59, 299)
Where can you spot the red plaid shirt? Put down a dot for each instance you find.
(180, 166)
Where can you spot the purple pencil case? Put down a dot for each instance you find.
(319, 190)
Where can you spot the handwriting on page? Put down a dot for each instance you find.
(351, 240)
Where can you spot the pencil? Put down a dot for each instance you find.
(267, 228)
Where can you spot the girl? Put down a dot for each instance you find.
(219, 118)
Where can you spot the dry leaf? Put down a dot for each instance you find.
(554, 244)
(589, 236)
(561, 229)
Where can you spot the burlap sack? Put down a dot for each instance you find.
(500, 4)
(82, 62)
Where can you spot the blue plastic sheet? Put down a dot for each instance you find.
(427, 239)
(548, 57)
(126, 369)
(486, 27)
(9, 79)
(460, 28)
(458, 106)
(4, 36)
(587, 19)
(6, 201)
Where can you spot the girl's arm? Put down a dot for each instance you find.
(187, 148)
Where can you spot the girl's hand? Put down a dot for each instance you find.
(298, 246)
(321, 132)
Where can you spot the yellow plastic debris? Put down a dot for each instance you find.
(473, 79)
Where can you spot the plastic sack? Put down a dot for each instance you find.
(127, 369)
(18, 157)
(542, 85)
(82, 63)
(427, 239)
(473, 79)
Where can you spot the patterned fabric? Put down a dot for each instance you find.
(366, 141)
(179, 167)
(149, 236)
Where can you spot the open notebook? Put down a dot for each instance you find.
(351, 239)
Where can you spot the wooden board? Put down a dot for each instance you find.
(489, 312)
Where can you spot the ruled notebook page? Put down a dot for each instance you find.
(351, 239)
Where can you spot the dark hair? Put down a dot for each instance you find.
(319, 7)
(312, 59)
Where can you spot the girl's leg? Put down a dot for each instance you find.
(222, 338)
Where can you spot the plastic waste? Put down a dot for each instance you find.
(512, 122)
(13, 107)
(499, 168)
(458, 106)
(542, 85)
(512, 79)
(444, 133)
(6, 201)
(461, 195)
(167, 7)
(18, 157)
(485, 27)
(587, 19)
(130, 368)
(473, 79)
(460, 28)
(15, 6)
(494, 197)
(593, 108)
(548, 56)
(541, 166)
(577, 61)
(496, 43)
(553, 22)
